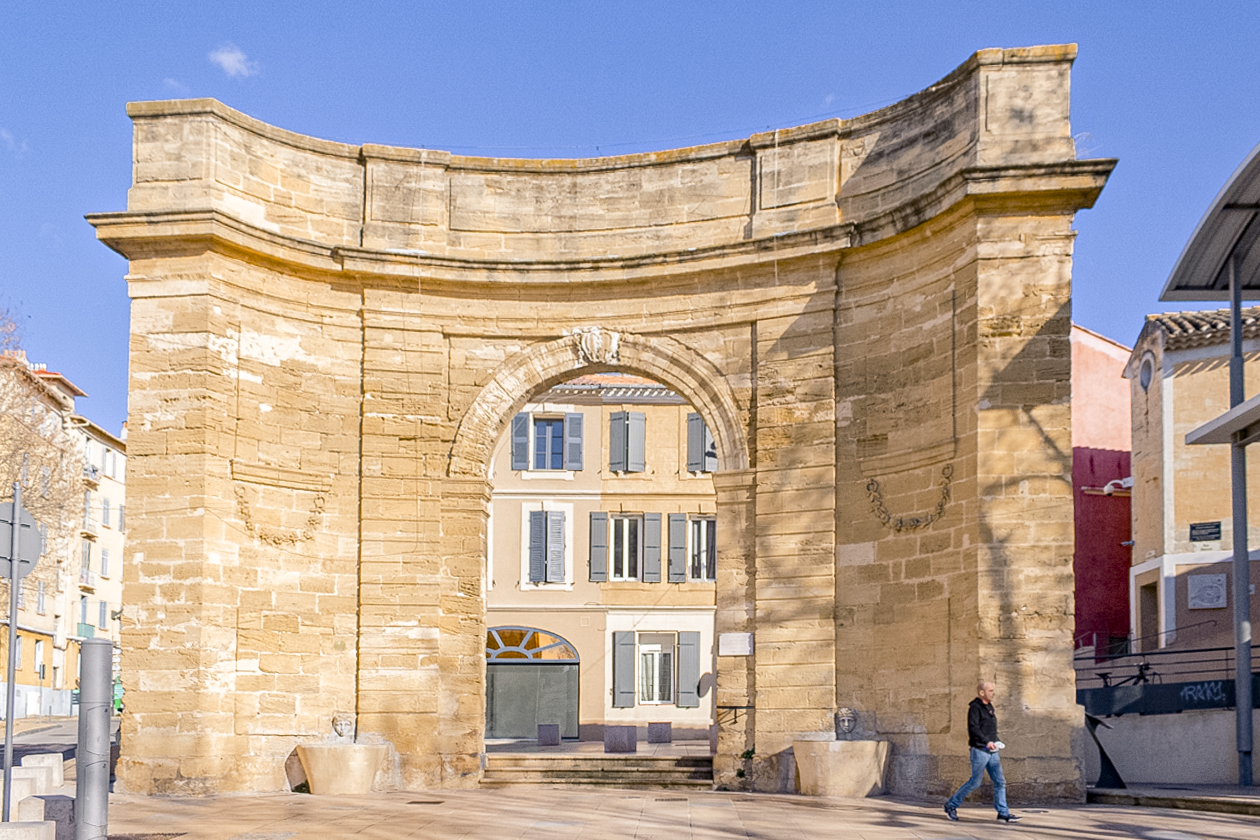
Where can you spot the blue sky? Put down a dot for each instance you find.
(1171, 89)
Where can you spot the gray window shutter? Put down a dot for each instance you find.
(635, 441)
(623, 669)
(651, 548)
(573, 441)
(695, 443)
(710, 452)
(689, 670)
(677, 547)
(520, 441)
(599, 546)
(617, 423)
(537, 546)
(555, 547)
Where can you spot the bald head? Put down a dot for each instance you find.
(985, 691)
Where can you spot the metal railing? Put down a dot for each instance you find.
(1156, 667)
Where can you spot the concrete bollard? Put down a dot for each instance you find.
(620, 739)
(23, 786)
(55, 761)
(548, 734)
(28, 831)
(41, 778)
(56, 808)
(660, 733)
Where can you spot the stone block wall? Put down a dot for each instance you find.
(871, 315)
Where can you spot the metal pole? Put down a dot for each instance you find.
(91, 788)
(1242, 560)
(9, 688)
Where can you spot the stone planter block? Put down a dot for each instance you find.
(660, 733)
(841, 768)
(55, 761)
(54, 807)
(41, 778)
(621, 739)
(28, 831)
(548, 734)
(341, 769)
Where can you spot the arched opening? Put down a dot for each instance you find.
(603, 529)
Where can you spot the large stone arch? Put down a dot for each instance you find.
(327, 338)
(541, 365)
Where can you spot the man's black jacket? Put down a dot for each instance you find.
(981, 724)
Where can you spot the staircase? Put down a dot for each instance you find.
(658, 772)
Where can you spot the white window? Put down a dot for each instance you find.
(703, 549)
(104, 616)
(39, 657)
(85, 559)
(122, 517)
(41, 597)
(656, 668)
(104, 562)
(105, 511)
(626, 546)
(43, 539)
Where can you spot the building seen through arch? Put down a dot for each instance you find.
(603, 529)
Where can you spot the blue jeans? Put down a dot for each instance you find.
(982, 760)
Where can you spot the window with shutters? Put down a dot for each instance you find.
(104, 562)
(703, 549)
(122, 517)
(543, 442)
(41, 597)
(625, 547)
(627, 441)
(102, 619)
(104, 511)
(546, 547)
(701, 449)
(656, 668)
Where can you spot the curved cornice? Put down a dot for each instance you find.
(994, 133)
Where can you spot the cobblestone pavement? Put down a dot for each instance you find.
(568, 814)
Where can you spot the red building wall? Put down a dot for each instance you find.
(1100, 454)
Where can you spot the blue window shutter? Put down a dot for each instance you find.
(695, 443)
(520, 441)
(635, 441)
(555, 547)
(651, 548)
(710, 452)
(573, 441)
(623, 669)
(689, 670)
(677, 547)
(617, 423)
(599, 546)
(537, 546)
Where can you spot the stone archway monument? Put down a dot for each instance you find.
(871, 314)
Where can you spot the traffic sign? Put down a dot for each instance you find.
(30, 543)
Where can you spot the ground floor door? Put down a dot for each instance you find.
(521, 695)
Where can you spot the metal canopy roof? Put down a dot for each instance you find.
(1230, 227)
(1240, 425)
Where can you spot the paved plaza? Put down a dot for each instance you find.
(570, 814)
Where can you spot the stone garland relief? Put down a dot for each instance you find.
(277, 536)
(596, 345)
(909, 523)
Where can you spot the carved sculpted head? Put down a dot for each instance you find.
(342, 724)
(846, 720)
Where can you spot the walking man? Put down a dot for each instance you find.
(982, 737)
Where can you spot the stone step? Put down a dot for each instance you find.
(692, 772)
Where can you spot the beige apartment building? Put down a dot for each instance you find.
(601, 563)
(96, 600)
(72, 473)
(1180, 586)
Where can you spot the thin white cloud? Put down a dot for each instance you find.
(11, 144)
(233, 61)
(175, 85)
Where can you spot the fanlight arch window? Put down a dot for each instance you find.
(527, 644)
